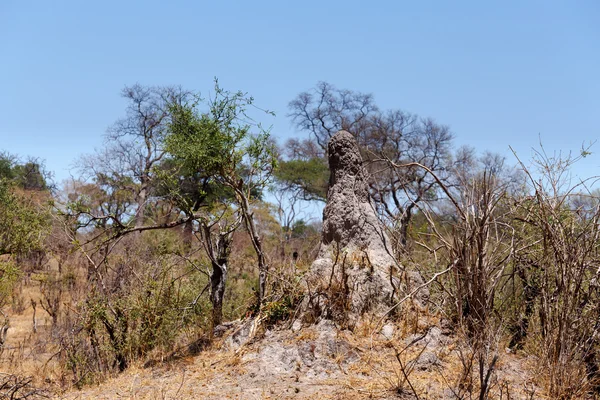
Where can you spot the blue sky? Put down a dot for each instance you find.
(498, 73)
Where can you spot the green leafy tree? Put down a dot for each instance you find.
(210, 171)
(22, 222)
(218, 143)
(7, 163)
(28, 175)
(23, 226)
(307, 179)
(31, 175)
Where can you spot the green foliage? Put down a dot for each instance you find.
(280, 310)
(310, 177)
(7, 166)
(301, 230)
(29, 175)
(9, 276)
(189, 189)
(138, 317)
(218, 143)
(23, 224)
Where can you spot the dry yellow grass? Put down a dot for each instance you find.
(376, 374)
(217, 373)
(26, 352)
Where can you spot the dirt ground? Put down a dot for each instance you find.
(317, 362)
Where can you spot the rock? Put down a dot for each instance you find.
(388, 331)
(427, 360)
(297, 325)
(352, 274)
(327, 328)
(317, 355)
(450, 394)
(220, 330)
(436, 338)
(243, 334)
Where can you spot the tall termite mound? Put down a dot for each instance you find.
(355, 271)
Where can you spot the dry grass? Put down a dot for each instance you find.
(377, 373)
(27, 353)
(385, 367)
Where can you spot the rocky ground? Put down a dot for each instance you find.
(321, 362)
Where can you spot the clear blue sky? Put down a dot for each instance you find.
(498, 73)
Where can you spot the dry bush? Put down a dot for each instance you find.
(284, 294)
(474, 243)
(558, 270)
(14, 387)
(51, 290)
(140, 300)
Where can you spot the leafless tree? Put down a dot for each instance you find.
(15, 387)
(134, 145)
(326, 109)
(405, 139)
(475, 242)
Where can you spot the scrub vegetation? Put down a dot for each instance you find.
(193, 220)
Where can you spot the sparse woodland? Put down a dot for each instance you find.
(194, 219)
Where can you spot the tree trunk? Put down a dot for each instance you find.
(218, 277)
(263, 266)
(141, 204)
(530, 292)
(262, 276)
(188, 233)
(405, 220)
(217, 290)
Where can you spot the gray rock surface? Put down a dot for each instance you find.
(243, 333)
(319, 356)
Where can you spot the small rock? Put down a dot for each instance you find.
(450, 394)
(219, 330)
(388, 331)
(427, 360)
(297, 325)
(242, 335)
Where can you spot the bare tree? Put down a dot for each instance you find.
(134, 145)
(558, 268)
(405, 139)
(326, 110)
(477, 248)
